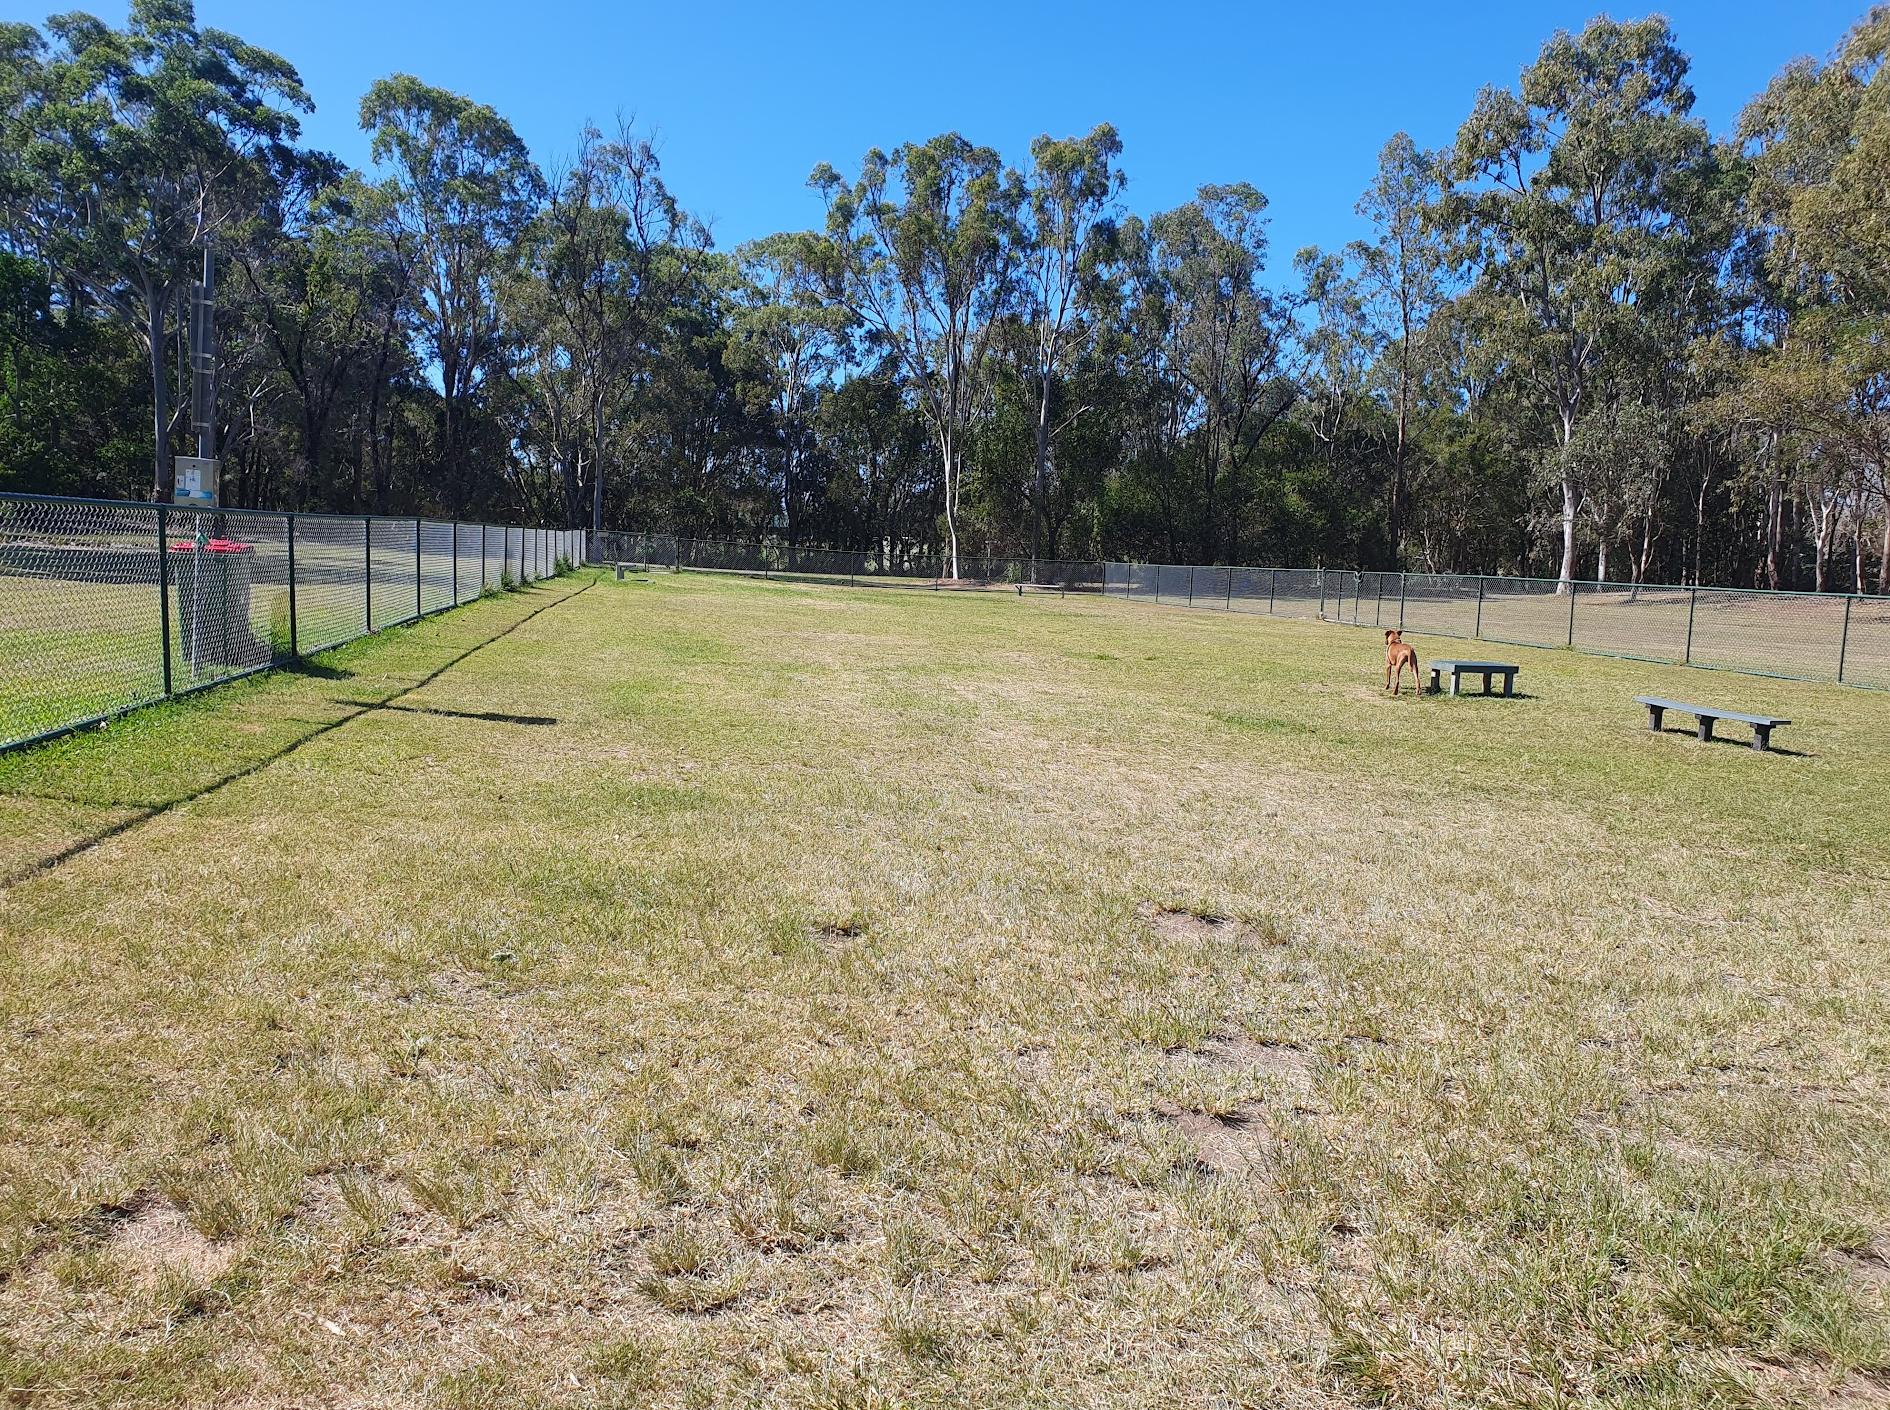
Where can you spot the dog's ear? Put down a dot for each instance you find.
(1392, 634)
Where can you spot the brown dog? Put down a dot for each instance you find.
(1397, 656)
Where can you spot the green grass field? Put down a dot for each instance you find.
(712, 992)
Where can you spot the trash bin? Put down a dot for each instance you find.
(212, 581)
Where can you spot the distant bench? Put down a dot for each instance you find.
(1457, 670)
(1762, 725)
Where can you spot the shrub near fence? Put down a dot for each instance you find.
(1801, 636)
(107, 605)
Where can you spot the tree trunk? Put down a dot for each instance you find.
(948, 463)
(1774, 531)
(1821, 548)
(1043, 474)
(1570, 502)
(1396, 527)
(1601, 560)
(1883, 553)
(597, 468)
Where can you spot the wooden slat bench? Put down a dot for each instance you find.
(1457, 670)
(1762, 725)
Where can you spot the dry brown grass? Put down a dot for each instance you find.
(870, 999)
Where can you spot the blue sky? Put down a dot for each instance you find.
(745, 99)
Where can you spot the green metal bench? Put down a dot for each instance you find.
(1762, 725)
(1457, 670)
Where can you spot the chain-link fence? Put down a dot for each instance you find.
(890, 566)
(107, 605)
(1797, 635)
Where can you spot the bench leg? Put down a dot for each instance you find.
(1706, 729)
(1509, 683)
(1486, 684)
(1653, 718)
(1762, 737)
(1456, 680)
(1434, 685)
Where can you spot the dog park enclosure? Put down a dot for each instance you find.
(106, 605)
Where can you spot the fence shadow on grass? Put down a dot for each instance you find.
(144, 812)
(497, 717)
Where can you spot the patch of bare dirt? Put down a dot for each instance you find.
(835, 932)
(154, 1239)
(1286, 1063)
(1180, 923)
(1814, 1385)
(1868, 1268)
(1235, 1142)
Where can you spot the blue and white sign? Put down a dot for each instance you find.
(198, 482)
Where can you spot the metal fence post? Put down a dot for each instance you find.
(1230, 588)
(164, 587)
(1322, 594)
(1378, 601)
(1273, 589)
(367, 562)
(1477, 631)
(1404, 579)
(456, 562)
(1844, 639)
(1191, 573)
(295, 647)
(1693, 601)
(418, 609)
(1571, 611)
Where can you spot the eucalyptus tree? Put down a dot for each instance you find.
(1339, 344)
(1068, 235)
(922, 250)
(1817, 142)
(130, 151)
(794, 343)
(1213, 336)
(462, 187)
(598, 263)
(1570, 199)
(1403, 277)
(325, 282)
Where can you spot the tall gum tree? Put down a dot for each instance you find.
(1403, 277)
(135, 148)
(1565, 197)
(1068, 234)
(1817, 143)
(1215, 338)
(792, 341)
(464, 187)
(598, 264)
(922, 250)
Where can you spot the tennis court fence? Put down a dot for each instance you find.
(106, 605)
(1796, 635)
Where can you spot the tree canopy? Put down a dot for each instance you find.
(1589, 337)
